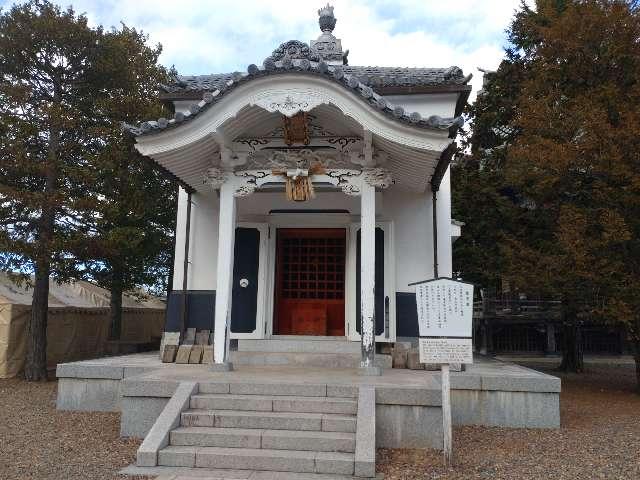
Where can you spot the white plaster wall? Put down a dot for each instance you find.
(257, 206)
(427, 104)
(203, 238)
(445, 250)
(411, 214)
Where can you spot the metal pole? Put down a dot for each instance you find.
(185, 268)
(435, 231)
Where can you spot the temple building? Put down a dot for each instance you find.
(307, 193)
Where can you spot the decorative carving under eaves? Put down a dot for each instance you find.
(215, 177)
(297, 158)
(346, 180)
(296, 129)
(378, 177)
(289, 106)
(351, 189)
(315, 130)
(248, 182)
(245, 190)
(377, 158)
(231, 159)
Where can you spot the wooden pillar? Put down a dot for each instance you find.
(367, 278)
(551, 339)
(224, 278)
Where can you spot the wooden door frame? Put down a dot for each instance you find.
(389, 281)
(293, 220)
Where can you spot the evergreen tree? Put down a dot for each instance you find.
(555, 135)
(132, 229)
(76, 200)
(575, 160)
(48, 86)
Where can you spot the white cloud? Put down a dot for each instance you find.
(205, 36)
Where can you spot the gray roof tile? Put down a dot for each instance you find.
(374, 77)
(211, 88)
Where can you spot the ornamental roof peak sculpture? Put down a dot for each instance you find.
(327, 20)
(327, 47)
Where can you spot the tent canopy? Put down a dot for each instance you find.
(78, 293)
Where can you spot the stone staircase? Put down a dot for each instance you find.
(303, 351)
(266, 427)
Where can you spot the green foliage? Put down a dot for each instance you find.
(558, 128)
(576, 154)
(47, 90)
(135, 217)
(75, 197)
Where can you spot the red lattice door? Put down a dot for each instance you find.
(310, 284)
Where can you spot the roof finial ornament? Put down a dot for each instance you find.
(327, 47)
(327, 19)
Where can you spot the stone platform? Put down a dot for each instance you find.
(408, 402)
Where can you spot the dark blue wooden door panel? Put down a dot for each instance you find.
(244, 306)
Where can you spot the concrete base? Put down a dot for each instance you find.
(221, 367)
(139, 414)
(505, 409)
(405, 426)
(370, 371)
(88, 394)
(408, 412)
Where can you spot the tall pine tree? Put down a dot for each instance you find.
(48, 86)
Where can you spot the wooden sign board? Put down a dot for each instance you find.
(445, 308)
(446, 350)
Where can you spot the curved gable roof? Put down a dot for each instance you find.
(343, 75)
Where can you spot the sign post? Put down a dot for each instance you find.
(445, 309)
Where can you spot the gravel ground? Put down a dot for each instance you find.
(599, 439)
(39, 442)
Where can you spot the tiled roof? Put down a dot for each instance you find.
(344, 75)
(374, 77)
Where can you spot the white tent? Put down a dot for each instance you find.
(78, 325)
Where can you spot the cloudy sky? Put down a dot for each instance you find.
(211, 36)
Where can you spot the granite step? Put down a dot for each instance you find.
(269, 420)
(267, 439)
(305, 359)
(280, 403)
(306, 345)
(257, 459)
(187, 473)
(275, 388)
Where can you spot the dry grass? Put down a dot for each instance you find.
(599, 439)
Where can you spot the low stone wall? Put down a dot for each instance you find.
(407, 415)
(93, 385)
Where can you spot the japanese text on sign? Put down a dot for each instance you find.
(446, 350)
(445, 308)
